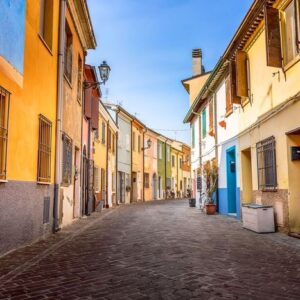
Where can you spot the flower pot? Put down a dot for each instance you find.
(192, 202)
(210, 209)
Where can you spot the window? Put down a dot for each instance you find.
(230, 86)
(68, 56)
(67, 160)
(242, 75)
(139, 143)
(173, 161)
(4, 116)
(96, 134)
(46, 21)
(109, 140)
(159, 150)
(180, 163)
(44, 150)
(203, 118)
(103, 133)
(290, 38)
(113, 181)
(168, 154)
(180, 184)
(146, 180)
(133, 141)
(266, 164)
(79, 80)
(113, 142)
(96, 179)
(193, 135)
(273, 40)
(103, 186)
(127, 142)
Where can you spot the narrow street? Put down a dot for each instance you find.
(160, 250)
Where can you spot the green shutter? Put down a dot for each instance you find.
(204, 123)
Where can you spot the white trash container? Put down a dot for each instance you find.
(258, 218)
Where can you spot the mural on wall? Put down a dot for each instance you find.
(12, 31)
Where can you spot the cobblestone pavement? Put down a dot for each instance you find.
(160, 250)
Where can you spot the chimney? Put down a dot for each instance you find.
(197, 62)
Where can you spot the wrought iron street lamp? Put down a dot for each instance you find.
(149, 144)
(104, 70)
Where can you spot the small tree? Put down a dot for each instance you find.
(210, 176)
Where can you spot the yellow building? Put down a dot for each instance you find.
(78, 37)
(177, 172)
(137, 138)
(268, 70)
(112, 133)
(28, 94)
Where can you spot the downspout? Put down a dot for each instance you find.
(216, 142)
(117, 151)
(59, 114)
(106, 181)
(131, 189)
(143, 147)
(177, 190)
(200, 161)
(88, 208)
(166, 169)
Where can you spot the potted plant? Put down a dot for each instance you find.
(211, 178)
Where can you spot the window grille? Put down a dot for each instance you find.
(103, 133)
(68, 56)
(266, 164)
(44, 150)
(79, 80)
(67, 160)
(4, 117)
(96, 179)
(146, 180)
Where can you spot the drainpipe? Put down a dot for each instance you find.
(106, 181)
(216, 142)
(200, 160)
(177, 189)
(143, 146)
(131, 188)
(59, 114)
(166, 169)
(117, 151)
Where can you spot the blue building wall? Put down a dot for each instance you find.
(12, 31)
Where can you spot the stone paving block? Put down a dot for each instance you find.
(159, 250)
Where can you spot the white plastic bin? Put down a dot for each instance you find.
(258, 218)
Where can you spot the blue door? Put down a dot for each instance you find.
(231, 180)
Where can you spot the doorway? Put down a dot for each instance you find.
(154, 187)
(159, 187)
(246, 176)
(84, 189)
(231, 179)
(134, 187)
(76, 187)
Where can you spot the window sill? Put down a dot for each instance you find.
(3, 180)
(245, 102)
(43, 183)
(45, 44)
(68, 81)
(274, 190)
(289, 65)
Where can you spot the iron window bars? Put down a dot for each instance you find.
(67, 160)
(44, 150)
(266, 164)
(4, 118)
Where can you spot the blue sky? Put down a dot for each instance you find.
(148, 44)
(12, 26)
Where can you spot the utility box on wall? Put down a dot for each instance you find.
(295, 153)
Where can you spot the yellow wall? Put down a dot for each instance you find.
(72, 109)
(195, 85)
(37, 96)
(100, 149)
